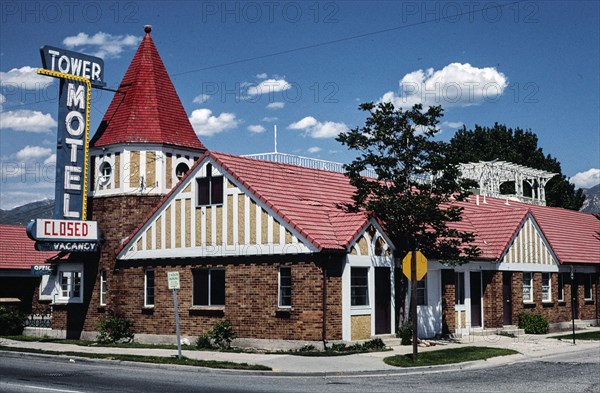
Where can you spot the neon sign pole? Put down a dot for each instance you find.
(88, 85)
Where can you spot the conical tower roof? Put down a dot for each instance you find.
(146, 108)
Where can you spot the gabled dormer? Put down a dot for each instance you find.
(145, 142)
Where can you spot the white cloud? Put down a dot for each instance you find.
(2, 101)
(33, 152)
(452, 124)
(454, 85)
(102, 44)
(269, 86)
(27, 121)
(586, 179)
(205, 124)
(25, 78)
(270, 119)
(276, 105)
(50, 160)
(256, 128)
(261, 75)
(315, 129)
(201, 99)
(314, 149)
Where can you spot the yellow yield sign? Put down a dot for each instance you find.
(421, 265)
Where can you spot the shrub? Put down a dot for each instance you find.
(374, 344)
(338, 347)
(222, 334)
(533, 323)
(204, 342)
(405, 333)
(12, 321)
(114, 329)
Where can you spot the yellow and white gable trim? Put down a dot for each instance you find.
(241, 225)
(529, 250)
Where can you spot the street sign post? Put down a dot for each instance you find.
(421, 265)
(414, 267)
(173, 280)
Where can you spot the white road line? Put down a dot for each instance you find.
(42, 388)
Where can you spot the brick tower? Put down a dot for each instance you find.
(143, 145)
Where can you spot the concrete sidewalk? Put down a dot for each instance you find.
(530, 347)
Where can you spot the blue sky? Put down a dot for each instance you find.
(241, 67)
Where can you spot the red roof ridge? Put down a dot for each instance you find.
(146, 107)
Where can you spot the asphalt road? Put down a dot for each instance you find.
(575, 372)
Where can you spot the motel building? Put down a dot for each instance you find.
(262, 242)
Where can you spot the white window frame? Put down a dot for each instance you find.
(64, 271)
(422, 288)
(147, 304)
(368, 303)
(547, 289)
(105, 173)
(209, 288)
(528, 285)
(590, 282)
(280, 287)
(560, 280)
(103, 287)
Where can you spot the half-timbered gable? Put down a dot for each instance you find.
(234, 222)
(529, 250)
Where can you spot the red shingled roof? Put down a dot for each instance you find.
(146, 108)
(572, 235)
(307, 199)
(17, 250)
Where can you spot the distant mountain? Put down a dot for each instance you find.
(23, 214)
(592, 200)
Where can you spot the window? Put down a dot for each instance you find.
(587, 286)
(459, 288)
(209, 287)
(105, 173)
(359, 286)
(422, 292)
(103, 288)
(69, 284)
(181, 170)
(561, 287)
(149, 288)
(285, 286)
(528, 287)
(546, 287)
(210, 189)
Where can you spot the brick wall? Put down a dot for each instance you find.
(448, 299)
(117, 217)
(555, 311)
(492, 299)
(251, 298)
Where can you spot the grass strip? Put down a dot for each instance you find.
(595, 335)
(149, 359)
(447, 356)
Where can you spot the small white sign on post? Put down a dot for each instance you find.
(173, 278)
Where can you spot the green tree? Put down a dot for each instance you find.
(519, 147)
(415, 184)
